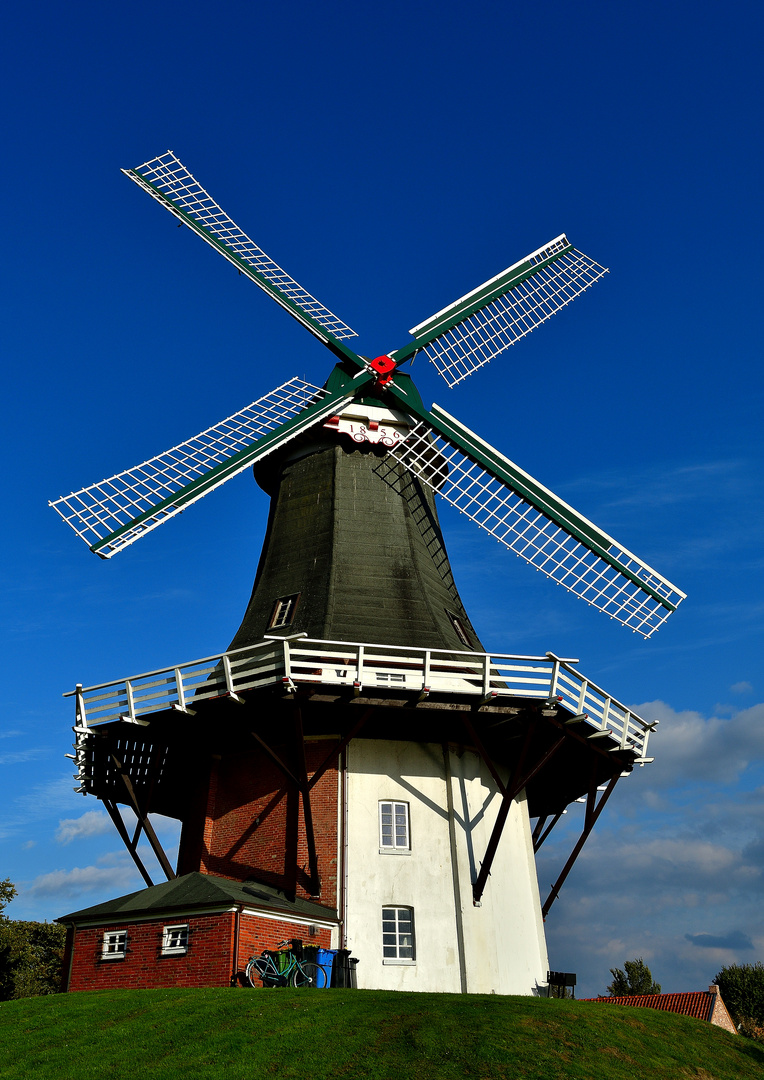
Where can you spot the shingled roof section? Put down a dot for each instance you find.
(700, 1004)
(200, 890)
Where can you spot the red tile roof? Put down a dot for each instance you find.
(697, 1003)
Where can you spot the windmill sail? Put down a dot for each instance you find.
(114, 513)
(481, 325)
(535, 524)
(168, 181)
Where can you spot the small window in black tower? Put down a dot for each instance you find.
(460, 629)
(283, 611)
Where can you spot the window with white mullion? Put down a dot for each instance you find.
(175, 940)
(398, 935)
(394, 832)
(114, 946)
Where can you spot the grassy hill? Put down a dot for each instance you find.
(249, 1034)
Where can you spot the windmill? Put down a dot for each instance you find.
(351, 467)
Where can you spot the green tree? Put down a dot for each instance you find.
(742, 990)
(636, 979)
(31, 953)
(7, 893)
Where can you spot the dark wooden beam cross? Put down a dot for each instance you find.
(143, 821)
(538, 836)
(593, 811)
(119, 824)
(305, 785)
(517, 783)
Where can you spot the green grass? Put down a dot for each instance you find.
(363, 1035)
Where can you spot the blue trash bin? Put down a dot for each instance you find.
(325, 960)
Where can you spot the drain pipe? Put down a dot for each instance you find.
(455, 871)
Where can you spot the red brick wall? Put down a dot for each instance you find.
(256, 934)
(208, 962)
(254, 825)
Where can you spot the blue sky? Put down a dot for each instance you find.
(391, 159)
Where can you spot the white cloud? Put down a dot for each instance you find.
(689, 746)
(44, 800)
(17, 757)
(80, 879)
(743, 687)
(91, 823)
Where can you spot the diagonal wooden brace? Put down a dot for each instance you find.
(516, 785)
(593, 811)
(119, 824)
(148, 828)
(310, 836)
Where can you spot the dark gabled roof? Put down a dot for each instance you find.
(198, 890)
(697, 1003)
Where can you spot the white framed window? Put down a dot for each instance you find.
(175, 940)
(394, 832)
(398, 935)
(114, 946)
(283, 611)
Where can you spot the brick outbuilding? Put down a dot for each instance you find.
(196, 930)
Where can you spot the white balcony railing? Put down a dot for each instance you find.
(292, 662)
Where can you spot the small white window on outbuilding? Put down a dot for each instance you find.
(175, 940)
(394, 831)
(114, 946)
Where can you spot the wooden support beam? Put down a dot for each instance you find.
(593, 811)
(335, 752)
(315, 881)
(516, 785)
(155, 759)
(538, 841)
(116, 817)
(501, 817)
(275, 759)
(148, 828)
(538, 828)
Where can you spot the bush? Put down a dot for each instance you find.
(31, 953)
(742, 990)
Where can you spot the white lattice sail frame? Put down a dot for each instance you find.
(102, 509)
(168, 181)
(630, 591)
(483, 334)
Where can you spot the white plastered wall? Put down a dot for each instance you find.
(504, 950)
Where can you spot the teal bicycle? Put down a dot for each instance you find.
(281, 967)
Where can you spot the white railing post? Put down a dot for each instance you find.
(79, 709)
(287, 660)
(582, 696)
(359, 665)
(626, 729)
(555, 674)
(486, 675)
(426, 671)
(227, 673)
(180, 692)
(130, 700)
(605, 712)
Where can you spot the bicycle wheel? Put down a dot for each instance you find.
(308, 977)
(252, 972)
